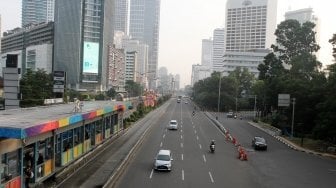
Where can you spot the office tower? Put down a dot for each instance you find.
(116, 69)
(37, 11)
(218, 49)
(83, 36)
(207, 52)
(250, 24)
(141, 49)
(131, 63)
(144, 26)
(121, 16)
(250, 27)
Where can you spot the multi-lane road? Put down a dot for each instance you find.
(195, 166)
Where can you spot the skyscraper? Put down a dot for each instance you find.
(121, 16)
(144, 26)
(207, 52)
(250, 24)
(250, 27)
(84, 34)
(37, 11)
(218, 49)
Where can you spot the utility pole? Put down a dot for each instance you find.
(293, 117)
(219, 91)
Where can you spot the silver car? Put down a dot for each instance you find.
(163, 160)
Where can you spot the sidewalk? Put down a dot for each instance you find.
(276, 134)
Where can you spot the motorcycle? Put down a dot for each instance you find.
(212, 148)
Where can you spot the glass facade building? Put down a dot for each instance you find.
(83, 33)
(37, 11)
(144, 26)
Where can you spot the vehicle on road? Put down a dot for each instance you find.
(173, 125)
(212, 146)
(178, 100)
(185, 102)
(259, 143)
(163, 160)
(230, 115)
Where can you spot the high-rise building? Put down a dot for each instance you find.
(250, 24)
(141, 49)
(250, 27)
(121, 16)
(207, 52)
(131, 63)
(84, 33)
(199, 72)
(37, 11)
(218, 49)
(144, 26)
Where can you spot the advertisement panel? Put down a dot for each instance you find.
(90, 57)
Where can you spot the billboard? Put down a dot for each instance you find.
(90, 57)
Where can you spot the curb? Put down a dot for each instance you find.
(292, 145)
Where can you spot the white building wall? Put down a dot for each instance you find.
(199, 72)
(43, 56)
(207, 52)
(218, 49)
(250, 24)
(249, 60)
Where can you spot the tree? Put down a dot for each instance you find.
(36, 86)
(294, 39)
(111, 93)
(325, 124)
(133, 88)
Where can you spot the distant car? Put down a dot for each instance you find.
(259, 143)
(178, 100)
(163, 160)
(186, 102)
(230, 115)
(173, 125)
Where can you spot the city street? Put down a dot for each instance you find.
(194, 166)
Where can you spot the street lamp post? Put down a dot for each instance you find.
(293, 117)
(219, 90)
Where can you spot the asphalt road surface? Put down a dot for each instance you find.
(194, 166)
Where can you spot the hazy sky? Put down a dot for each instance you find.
(184, 23)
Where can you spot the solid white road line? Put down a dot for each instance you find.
(212, 180)
(182, 157)
(151, 174)
(182, 174)
(204, 158)
(161, 145)
(200, 146)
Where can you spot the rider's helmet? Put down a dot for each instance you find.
(212, 141)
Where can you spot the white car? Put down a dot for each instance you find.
(163, 160)
(173, 125)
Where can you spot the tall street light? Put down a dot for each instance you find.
(219, 90)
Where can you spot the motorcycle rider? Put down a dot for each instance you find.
(212, 145)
